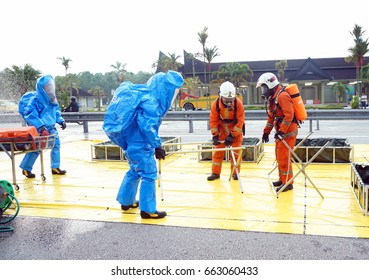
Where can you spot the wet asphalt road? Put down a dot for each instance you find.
(61, 239)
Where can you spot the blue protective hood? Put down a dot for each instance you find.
(37, 109)
(141, 105)
(42, 95)
(162, 87)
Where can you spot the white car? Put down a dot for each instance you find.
(8, 106)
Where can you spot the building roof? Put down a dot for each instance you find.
(309, 70)
(298, 69)
(81, 93)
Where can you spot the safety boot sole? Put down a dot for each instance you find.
(28, 174)
(57, 171)
(134, 205)
(156, 215)
(288, 188)
(213, 177)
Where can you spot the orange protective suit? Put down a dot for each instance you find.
(281, 117)
(222, 123)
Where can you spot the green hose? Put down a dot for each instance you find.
(12, 198)
(6, 229)
(6, 200)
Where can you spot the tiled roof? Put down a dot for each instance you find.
(298, 69)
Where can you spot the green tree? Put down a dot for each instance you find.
(173, 63)
(234, 72)
(65, 86)
(120, 71)
(340, 90)
(98, 92)
(168, 62)
(281, 66)
(140, 78)
(210, 54)
(86, 79)
(20, 80)
(358, 51)
(365, 75)
(203, 36)
(192, 84)
(192, 56)
(65, 62)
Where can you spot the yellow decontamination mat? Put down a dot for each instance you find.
(89, 189)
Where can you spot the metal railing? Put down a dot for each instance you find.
(192, 116)
(257, 115)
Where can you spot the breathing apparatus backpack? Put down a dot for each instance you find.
(298, 104)
(25, 100)
(121, 112)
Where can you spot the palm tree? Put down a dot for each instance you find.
(65, 86)
(234, 72)
(210, 54)
(173, 63)
(167, 62)
(98, 92)
(340, 90)
(358, 51)
(192, 84)
(65, 63)
(281, 66)
(203, 36)
(120, 71)
(192, 56)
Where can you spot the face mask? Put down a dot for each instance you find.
(175, 96)
(228, 102)
(49, 88)
(265, 92)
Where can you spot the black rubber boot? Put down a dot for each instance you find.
(213, 177)
(277, 183)
(156, 215)
(234, 176)
(134, 205)
(288, 188)
(58, 171)
(28, 174)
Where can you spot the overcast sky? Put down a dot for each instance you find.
(95, 34)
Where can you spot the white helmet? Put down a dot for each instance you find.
(269, 79)
(227, 90)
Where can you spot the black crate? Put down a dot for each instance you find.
(253, 150)
(360, 185)
(337, 151)
(111, 152)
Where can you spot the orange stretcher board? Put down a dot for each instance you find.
(22, 140)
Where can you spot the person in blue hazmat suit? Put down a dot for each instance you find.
(132, 121)
(41, 110)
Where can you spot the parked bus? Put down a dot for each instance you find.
(190, 102)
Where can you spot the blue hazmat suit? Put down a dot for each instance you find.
(42, 110)
(132, 121)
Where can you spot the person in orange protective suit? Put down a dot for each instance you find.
(227, 119)
(281, 116)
